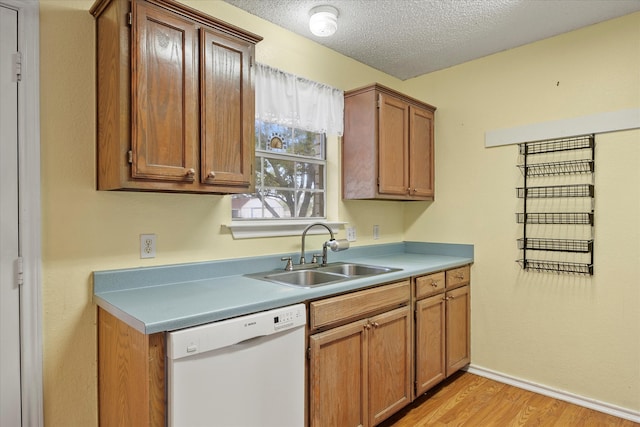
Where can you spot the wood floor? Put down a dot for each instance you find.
(470, 400)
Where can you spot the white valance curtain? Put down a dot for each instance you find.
(293, 101)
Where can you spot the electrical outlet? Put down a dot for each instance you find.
(351, 234)
(147, 246)
(376, 231)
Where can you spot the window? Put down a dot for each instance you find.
(290, 172)
(293, 117)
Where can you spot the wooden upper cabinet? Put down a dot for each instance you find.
(227, 110)
(388, 146)
(421, 161)
(393, 145)
(164, 96)
(175, 99)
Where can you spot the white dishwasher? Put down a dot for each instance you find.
(242, 372)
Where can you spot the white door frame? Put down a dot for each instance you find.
(29, 213)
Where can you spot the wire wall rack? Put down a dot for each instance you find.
(538, 160)
(556, 191)
(556, 267)
(555, 145)
(558, 168)
(555, 218)
(557, 245)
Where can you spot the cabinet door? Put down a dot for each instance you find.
(393, 138)
(458, 328)
(389, 363)
(338, 377)
(430, 342)
(421, 170)
(164, 99)
(227, 110)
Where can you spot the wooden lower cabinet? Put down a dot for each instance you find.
(338, 376)
(458, 315)
(360, 372)
(131, 375)
(442, 327)
(389, 363)
(430, 343)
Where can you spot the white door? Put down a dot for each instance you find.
(10, 395)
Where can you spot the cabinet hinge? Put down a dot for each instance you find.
(379, 101)
(251, 61)
(130, 18)
(130, 156)
(308, 353)
(17, 65)
(19, 271)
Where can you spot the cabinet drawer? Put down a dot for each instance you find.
(357, 304)
(458, 277)
(430, 284)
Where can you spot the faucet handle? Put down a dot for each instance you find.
(289, 266)
(315, 258)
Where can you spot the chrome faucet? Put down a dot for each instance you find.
(335, 245)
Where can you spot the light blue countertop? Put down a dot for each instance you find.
(167, 298)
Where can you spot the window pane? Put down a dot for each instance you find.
(277, 173)
(305, 143)
(272, 137)
(281, 139)
(309, 176)
(249, 206)
(310, 204)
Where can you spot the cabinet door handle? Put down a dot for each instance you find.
(367, 326)
(434, 283)
(376, 324)
(211, 175)
(190, 173)
(459, 276)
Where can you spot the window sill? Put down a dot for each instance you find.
(257, 229)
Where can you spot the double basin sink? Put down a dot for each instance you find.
(322, 275)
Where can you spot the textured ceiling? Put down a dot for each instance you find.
(408, 38)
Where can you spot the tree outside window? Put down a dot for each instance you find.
(290, 174)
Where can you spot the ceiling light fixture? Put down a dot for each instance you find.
(323, 21)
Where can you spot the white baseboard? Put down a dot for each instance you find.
(586, 402)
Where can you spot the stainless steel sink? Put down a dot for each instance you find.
(320, 276)
(304, 278)
(351, 270)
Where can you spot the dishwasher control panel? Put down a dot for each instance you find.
(291, 317)
(235, 331)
